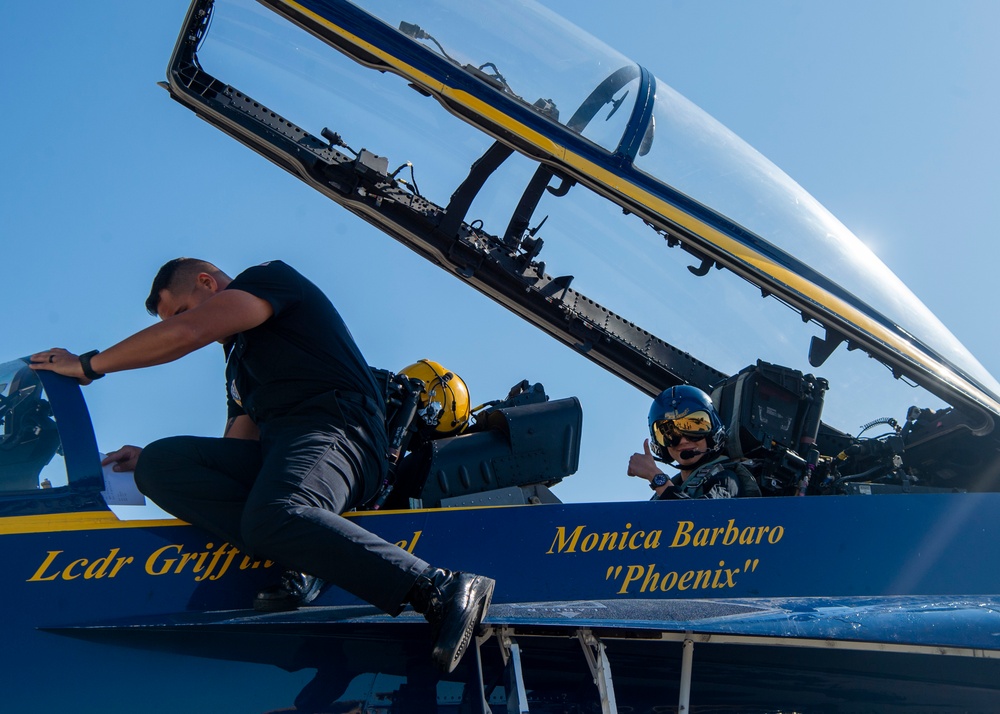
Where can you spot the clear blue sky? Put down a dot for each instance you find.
(884, 110)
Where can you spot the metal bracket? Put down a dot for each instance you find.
(821, 349)
(687, 659)
(474, 694)
(517, 695)
(600, 669)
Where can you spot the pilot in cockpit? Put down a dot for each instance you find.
(686, 430)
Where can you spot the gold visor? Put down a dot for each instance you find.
(696, 425)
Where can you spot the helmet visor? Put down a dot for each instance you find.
(695, 426)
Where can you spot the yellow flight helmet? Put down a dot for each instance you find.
(444, 405)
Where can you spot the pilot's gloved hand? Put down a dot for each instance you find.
(643, 465)
(124, 459)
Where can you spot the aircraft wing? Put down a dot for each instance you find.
(797, 648)
(936, 624)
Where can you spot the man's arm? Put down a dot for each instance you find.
(219, 317)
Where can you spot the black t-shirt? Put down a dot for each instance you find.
(302, 351)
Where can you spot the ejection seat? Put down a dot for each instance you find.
(772, 416)
(517, 448)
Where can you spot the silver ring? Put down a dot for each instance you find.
(51, 357)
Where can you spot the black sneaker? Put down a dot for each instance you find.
(294, 590)
(455, 605)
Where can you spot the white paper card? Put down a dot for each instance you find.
(120, 488)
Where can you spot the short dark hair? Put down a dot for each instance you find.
(174, 273)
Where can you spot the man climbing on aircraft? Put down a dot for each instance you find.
(686, 430)
(304, 442)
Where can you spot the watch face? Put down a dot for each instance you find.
(658, 481)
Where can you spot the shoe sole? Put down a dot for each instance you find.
(287, 604)
(447, 661)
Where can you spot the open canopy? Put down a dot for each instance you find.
(591, 117)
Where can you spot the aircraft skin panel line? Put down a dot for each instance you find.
(613, 185)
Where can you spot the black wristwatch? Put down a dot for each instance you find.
(658, 481)
(88, 371)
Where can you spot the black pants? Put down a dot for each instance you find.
(280, 498)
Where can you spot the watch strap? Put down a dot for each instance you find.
(88, 371)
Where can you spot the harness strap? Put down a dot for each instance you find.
(733, 445)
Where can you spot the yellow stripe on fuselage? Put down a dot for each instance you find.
(85, 521)
(106, 520)
(618, 184)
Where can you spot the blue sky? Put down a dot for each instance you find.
(885, 111)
